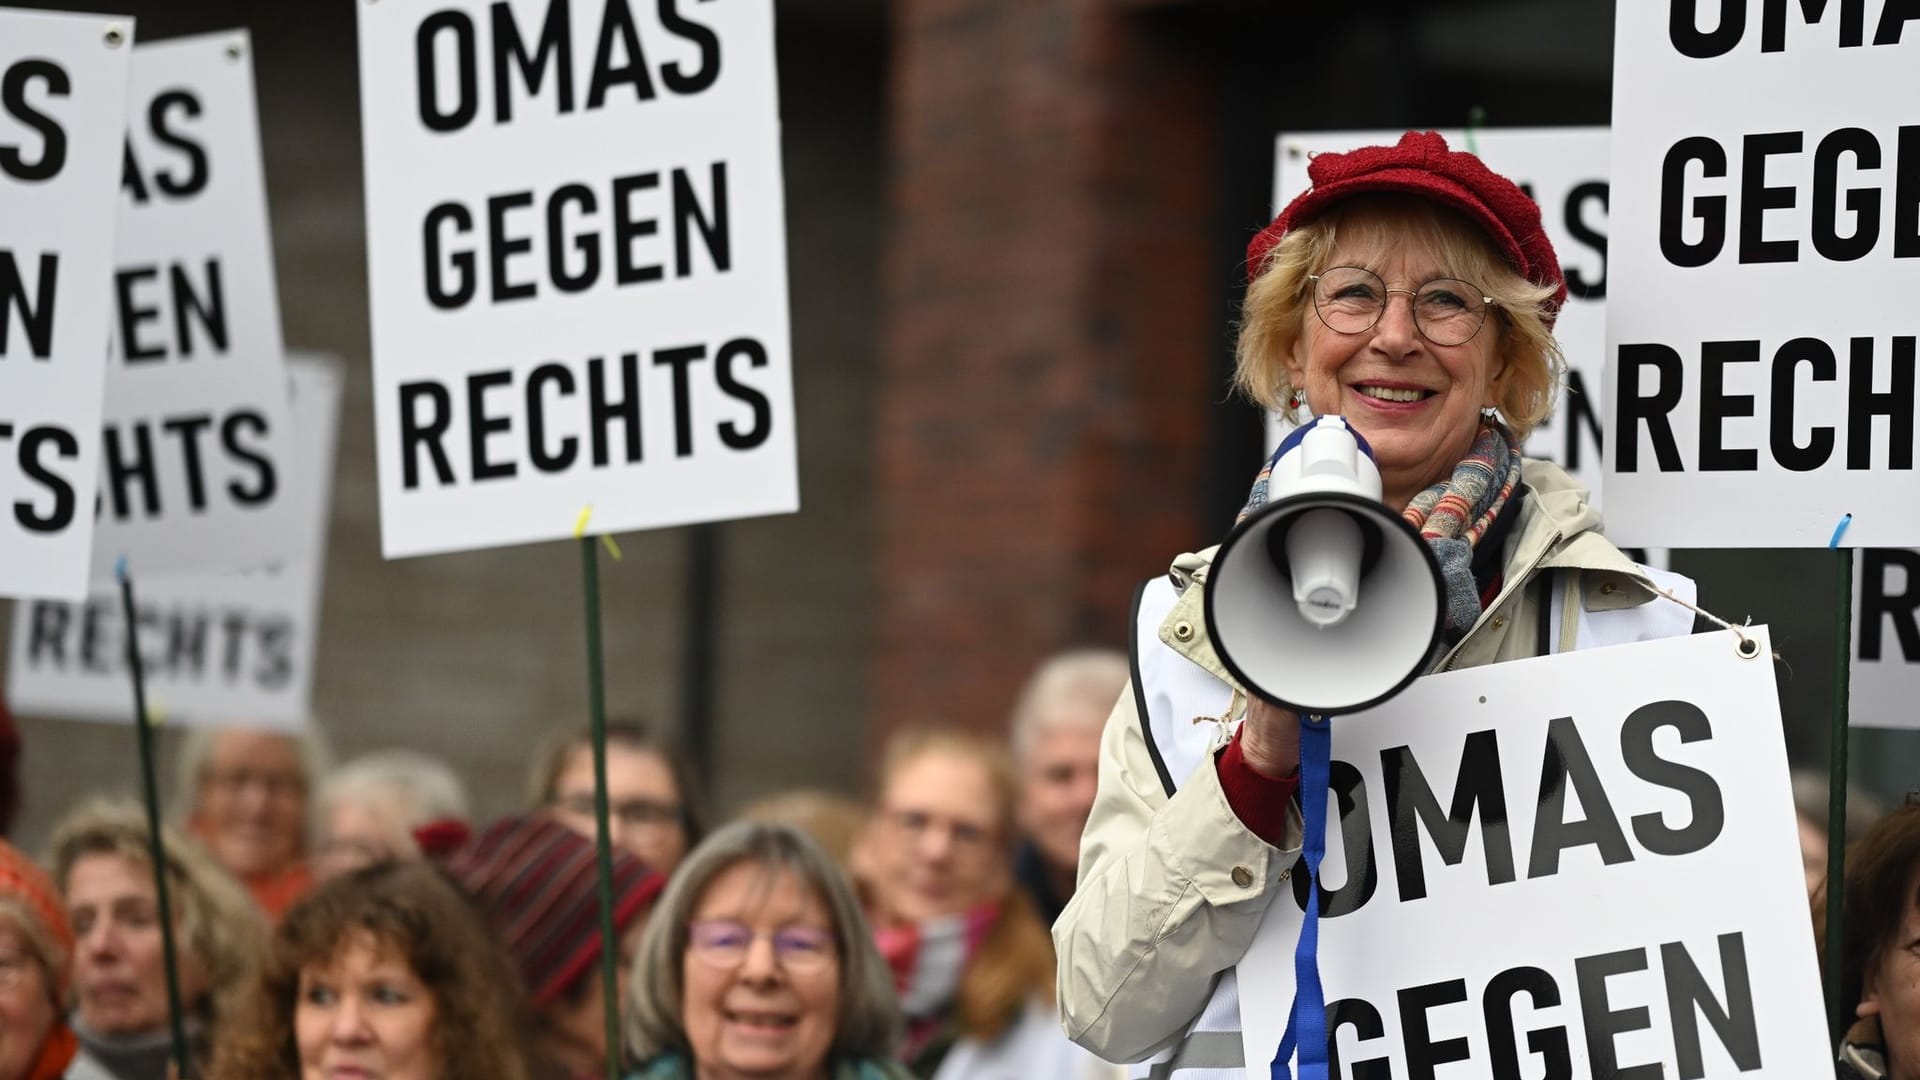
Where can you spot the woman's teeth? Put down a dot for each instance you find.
(1390, 394)
(762, 1019)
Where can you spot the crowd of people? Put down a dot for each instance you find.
(818, 937)
(353, 920)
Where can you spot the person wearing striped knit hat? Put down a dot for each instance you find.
(536, 880)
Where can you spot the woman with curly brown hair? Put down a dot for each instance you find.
(389, 973)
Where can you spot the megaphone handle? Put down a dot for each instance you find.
(1308, 1019)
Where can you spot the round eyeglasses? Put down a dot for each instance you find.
(723, 944)
(1351, 299)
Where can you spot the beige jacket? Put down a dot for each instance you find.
(1172, 889)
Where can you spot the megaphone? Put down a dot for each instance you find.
(1325, 600)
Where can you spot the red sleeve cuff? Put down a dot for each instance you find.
(1260, 802)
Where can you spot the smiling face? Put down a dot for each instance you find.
(1417, 403)
(365, 1016)
(761, 977)
(252, 805)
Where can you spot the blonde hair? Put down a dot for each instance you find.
(1014, 962)
(913, 743)
(1277, 305)
(223, 934)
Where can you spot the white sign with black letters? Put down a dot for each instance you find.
(1565, 170)
(1765, 249)
(1501, 881)
(216, 648)
(63, 104)
(192, 471)
(577, 267)
(1885, 687)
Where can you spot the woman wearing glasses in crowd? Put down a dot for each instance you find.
(757, 963)
(1412, 291)
(653, 809)
(968, 953)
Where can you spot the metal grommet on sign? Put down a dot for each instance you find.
(234, 52)
(115, 36)
(1747, 649)
(1183, 631)
(1242, 876)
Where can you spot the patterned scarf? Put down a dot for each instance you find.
(928, 959)
(1451, 515)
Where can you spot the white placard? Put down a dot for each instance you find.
(1565, 170)
(216, 648)
(1603, 789)
(577, 265)
(63, 106)
(1766, 247)
(1885, 686)
(194, 464)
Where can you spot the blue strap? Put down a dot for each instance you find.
(1308, 1019)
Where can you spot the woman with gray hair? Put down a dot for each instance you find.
(103, 865)
(758, 963)
(245, 794)
(374, 808)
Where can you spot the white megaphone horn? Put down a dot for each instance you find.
(1325, 600)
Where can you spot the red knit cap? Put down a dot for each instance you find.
(536, 879)
(1421, 164)
(28, 885)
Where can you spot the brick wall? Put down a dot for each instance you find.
(1048, 337)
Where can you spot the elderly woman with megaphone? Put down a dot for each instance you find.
(1412, 291)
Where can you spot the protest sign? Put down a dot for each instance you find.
(1765, 242)
(194, 463)
(1499, 896)
(1565, 170)
(1885, 684)
(235, 647)
(577, 268)
(63, 102)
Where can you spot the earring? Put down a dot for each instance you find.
(1293, 401)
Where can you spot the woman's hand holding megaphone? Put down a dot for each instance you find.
(1270, 739)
